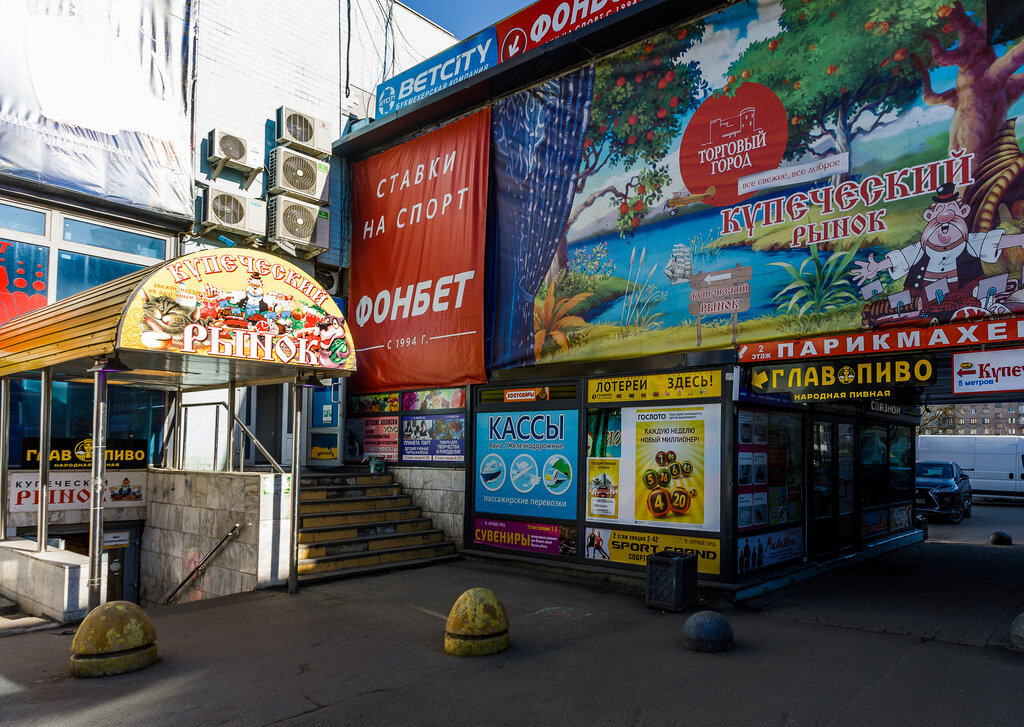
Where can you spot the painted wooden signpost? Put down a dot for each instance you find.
(720, 293)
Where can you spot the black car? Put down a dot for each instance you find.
(944, 489)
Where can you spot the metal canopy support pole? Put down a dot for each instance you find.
(5, 450)
(231, 424)
(99, 467)
(293, 555)
(43, 509)
(178, 413)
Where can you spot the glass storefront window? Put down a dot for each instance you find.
(874, 465)
(89, 233)
(901, 467)
(20, 219)
(76, 273)
(23, 276)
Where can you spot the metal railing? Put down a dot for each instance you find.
(201, 565)
(182, 427)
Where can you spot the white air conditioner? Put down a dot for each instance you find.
(234, 212)
(303, 132)
(330, 280)
(298, 227)
(297, 175)
(234, 151)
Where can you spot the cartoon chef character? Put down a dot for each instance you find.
(946, 251)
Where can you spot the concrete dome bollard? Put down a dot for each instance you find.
(115, 638)
(1017, 632)
(1000, 537)
(707, 631)
(477, 625)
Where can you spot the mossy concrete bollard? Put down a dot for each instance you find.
(1000, 537)
(1017, 632)
(115, 638)
(707, 631)
(477, 625)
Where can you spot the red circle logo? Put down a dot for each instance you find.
(729, 138)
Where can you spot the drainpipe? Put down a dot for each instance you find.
(43, 507)
(5, 449)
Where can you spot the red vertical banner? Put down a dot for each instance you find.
(419, 212)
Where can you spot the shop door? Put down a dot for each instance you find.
(833, 520)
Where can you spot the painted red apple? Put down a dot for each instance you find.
(796, 85)
(681, 34)
(621, 82)
(773, 45)
(944, 11)
(631, 120)
(869, 25)
(639, 78)
(623, 208)
(638, 205)
(661, 85)
(635, 222)
(650, 136)
(745, 74)
(830, 70)
(587, 142)
(602, 128)
(631, 140)
(947, 28)
(885, 63)
(662, 113)
(884, 27)
(674, 101)
(640, 189)
(900, 54)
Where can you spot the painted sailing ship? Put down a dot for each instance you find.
(680, 265)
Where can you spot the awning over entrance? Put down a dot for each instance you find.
(197, 321)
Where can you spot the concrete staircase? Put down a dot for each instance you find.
(355, 523)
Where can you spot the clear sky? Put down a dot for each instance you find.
(466, 17)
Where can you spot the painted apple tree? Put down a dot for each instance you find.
(820, 72)
(640, 96)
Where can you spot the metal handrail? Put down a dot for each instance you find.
(273, 462)
(201, 565)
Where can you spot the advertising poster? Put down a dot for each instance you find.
(372, 437)
(73, 490)
(538, 538)
(434, 399)
(68, 453)
(760, 551)
(434, 438)
(373, 404)
(668, 466)
(96, 98)
(236, 303)
(985, 372)
(417, 293)
(672, 486)
(624, 546)
(774, 170)
(23, 275)
(525, 463)
(768, 476)
(602, 488)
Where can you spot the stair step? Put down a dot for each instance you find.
(354, 504)
(368, 544)
(384, 557)
(379, 515)
(341, 492)
(369, 569)
(334, 532)
(350, 478)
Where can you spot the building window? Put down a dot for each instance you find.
(986, 420)
(76, 273)
(974, 431)
(974, 420)
(20, 219)
(112, 238)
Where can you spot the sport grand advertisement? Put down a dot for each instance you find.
(418, 260)
(773, 170)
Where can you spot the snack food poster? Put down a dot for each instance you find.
(669, 471)
(772, 170)
(526, 463)
(417, 293)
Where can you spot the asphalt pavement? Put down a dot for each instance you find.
(915, 637)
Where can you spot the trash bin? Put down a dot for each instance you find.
(672, 580)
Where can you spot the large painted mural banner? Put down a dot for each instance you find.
(419, 211)
(776, 170)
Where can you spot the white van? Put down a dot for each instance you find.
(995, 464)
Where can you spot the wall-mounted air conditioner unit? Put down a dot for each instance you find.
(233, 151)
(301, 228)
(303, 132)
(330, 280)
(297, 175)
(234, 213)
